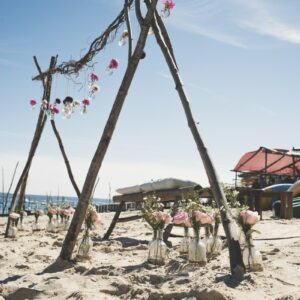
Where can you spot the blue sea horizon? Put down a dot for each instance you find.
(40, 201)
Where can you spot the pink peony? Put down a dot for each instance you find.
(114, 64)
(86, 102)
(181, 218)
(94, 77)
(203, 217)
(14, 216)
(169, 4)
(249, 217)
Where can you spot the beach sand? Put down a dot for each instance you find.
(118, 268)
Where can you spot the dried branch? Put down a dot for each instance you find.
(39, 70)
(128, 24)
(138, 12)
(165, 34)
(11, 183)
(73, 66)
(63, 152)
(162, 28)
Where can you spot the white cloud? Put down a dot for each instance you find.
(235, 22)
(264, 21)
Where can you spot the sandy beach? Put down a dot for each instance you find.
(118, 268)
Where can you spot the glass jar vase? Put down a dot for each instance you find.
(51, 226)
(36, 226)
(157, 248)
(184, 243)
(85, 245)
(197, 250)
(251, 257)
(12, 231)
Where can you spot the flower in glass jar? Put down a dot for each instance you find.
(168, 6)
(92, 218)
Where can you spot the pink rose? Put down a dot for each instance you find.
(249, 217)
(72, 210)
(52, 211)
(66, 212)
(203, 217)
(96, 218)
(167, 218)
(14, 216)
(181, 218)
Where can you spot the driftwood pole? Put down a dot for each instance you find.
(8, 191)
(79, 215)
(47, 83)
(236, 262)
(20, 202)
(67, 163)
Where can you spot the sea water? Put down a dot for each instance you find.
(40, 201)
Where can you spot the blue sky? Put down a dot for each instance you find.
(239, 61)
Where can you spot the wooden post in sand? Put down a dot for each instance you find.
(47, 84)
(79, 215)
(236, 262)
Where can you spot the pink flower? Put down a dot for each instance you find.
(66, 212)
(52, 211)
(55, 110)
(169, 4)
(14, 216)
(114, 64)
(86, 102)
(33, 102)
(181, 218)
(96, 218)
(39, 212)
(72, 210)
(94, 77)
(203, 217)
(249, 217)
(167, 218)
(161, 216)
